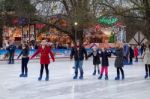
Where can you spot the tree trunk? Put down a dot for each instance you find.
(1, 37)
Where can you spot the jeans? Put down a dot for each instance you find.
(24, 68)
(11, 58)
(78, 65)
(46, 69)
(147, 68)
(119, 69)
(104, 68)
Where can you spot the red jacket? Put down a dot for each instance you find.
(44, 58)
(136, 52)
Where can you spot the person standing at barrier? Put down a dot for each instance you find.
(11, 52)
(96, 60)
(25, 59)
(131, 54)
(44, 50)
(78, 53)
(136, 53)
(105, 54)
(119, 61)
(146, 59)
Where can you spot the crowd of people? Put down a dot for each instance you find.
(124, 56)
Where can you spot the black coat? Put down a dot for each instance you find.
(119, 57)
(11, 49)
(131, 52)
(96, 57)
(105, 55)
(24, 53)
(78, 53)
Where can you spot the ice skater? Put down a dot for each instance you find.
(105, 54)
(11, 52)
(44, 50)
(146, 59)
(25, 59)
(96, 60)
(136, 53)
(119, 61)
(78, 53)
(131, 54)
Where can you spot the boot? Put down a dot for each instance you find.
(47, 78)
(40, 78)
(81, 76)
(123, 76)
(76, 75)
(117, 78)
(100, 77)
(106, 77)
(94, 73)
(26, 75)
(146, 76)
(21, 75)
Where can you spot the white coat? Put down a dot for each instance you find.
(146, 56)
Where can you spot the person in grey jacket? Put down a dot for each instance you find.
(119, 61)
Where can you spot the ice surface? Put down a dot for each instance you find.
(62, 86)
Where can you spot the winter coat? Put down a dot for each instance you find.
(44, 58)
(78, 53)
(119, 57)
(136, 52)
(146, 56)
(131, 52)
(96, 57)
(105, 56)
(11, 49)
(24, 53)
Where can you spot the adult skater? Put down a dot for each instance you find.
(119, 61)
(44, 50)
(131, 54)
(78, 53)
(126, 54)
(96, 60)
(25, 59)
(11, 52)
(146, 59)
(105, 63)
(136, 53)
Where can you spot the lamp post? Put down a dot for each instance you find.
(75, 24)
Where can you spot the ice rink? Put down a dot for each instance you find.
(62, 86)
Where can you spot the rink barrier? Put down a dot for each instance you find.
(58, 53)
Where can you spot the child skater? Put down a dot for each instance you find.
(96, 60)
(44, 50)
(119, 61)
(105, 63)
(146, 59)
(25, 59)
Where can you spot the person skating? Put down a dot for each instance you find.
(44, 50)
(131, 54)
(136, 53)
(78, 53)
(25, 59)
(11, 52)
(119, 61)
(105, 54)
(96, 60)
(146, 59)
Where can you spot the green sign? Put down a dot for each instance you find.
(107, 20)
